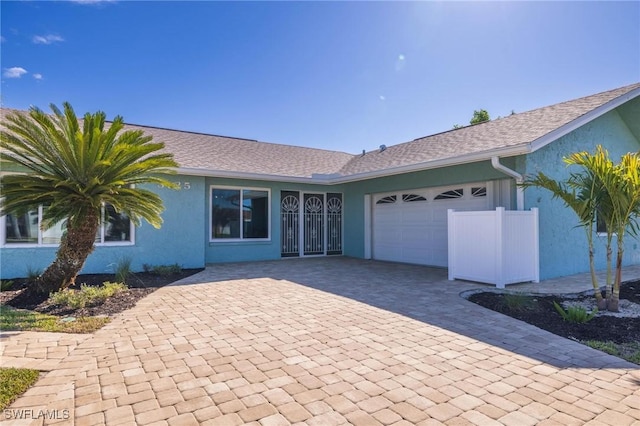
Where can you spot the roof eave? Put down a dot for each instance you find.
(191, 171)
(511, 151)
(334, 180)
(583, 119)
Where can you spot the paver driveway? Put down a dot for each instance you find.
(331, 341)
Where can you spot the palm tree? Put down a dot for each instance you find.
(580, 193)
(620, 208)
(74, 169)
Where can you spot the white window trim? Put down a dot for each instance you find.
(238, 240)
(39, 244)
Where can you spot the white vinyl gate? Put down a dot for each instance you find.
(495, 247)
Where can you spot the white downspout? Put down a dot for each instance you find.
(495, 162)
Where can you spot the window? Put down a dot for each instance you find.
(447, 195)
(25, 229)
(389, 199)
(239, 214)
(480, 191)
(409, 198)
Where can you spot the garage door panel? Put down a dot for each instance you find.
(416, 231)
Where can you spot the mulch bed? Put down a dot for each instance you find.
(140, 285)
(542, 314)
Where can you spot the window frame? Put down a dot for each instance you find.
(39, 243)
(241, 189)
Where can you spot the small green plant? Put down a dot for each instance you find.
(608, 347)
(33, 273)
(6, 285)
(87, 295)
(147, 267)
(122, 269)
(517, 302)
(166, 269)
(15, 381)
(575, 314)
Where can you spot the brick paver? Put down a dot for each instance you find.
(321, 341)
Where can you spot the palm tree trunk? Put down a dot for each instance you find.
(612, 303)
(601, 303)
(609, 274)
(76, 245)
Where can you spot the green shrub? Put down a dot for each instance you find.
(123, 269)
(575, 314)
(6, 285)
(87, 295)
(166, 269)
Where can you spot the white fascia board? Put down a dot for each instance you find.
(332, 180)
(445, 162)
(249, 176)
(582, 120)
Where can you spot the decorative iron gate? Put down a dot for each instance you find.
(290, 213)
(334, 224)
(309, 225)
(313, 224)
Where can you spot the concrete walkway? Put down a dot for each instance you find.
(326, 341)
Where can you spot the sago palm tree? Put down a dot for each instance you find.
(74, 169)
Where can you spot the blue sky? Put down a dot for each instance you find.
(344, 76)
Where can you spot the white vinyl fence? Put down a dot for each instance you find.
(495, 247)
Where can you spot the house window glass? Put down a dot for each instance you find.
(25, 228)
(117, 226)
(22, 229)
(239, 213)
(447, 195)
(389, 199)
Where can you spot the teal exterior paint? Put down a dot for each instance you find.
(241, 251)
(354, 201)
(563, 244)
(185, 235)
(179, 240)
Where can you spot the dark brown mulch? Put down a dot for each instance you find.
(541, 313)
(140, 285)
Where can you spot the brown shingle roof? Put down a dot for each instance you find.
(511, 131)
(198, 153)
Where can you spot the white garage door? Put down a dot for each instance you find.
(411, 226)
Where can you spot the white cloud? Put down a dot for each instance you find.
(47, 39)
(400, 62)
(37, 76)
(14, 72)
(382, 98)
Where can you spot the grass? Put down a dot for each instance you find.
(628, 351)
(518, 302)
(14, 382)
(23, 320)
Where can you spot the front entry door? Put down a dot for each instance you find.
(311, 224)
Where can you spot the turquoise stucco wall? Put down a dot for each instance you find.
(563, 245)
(216, 252)
(178, 241)
(355, 192)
